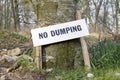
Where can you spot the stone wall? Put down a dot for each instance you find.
(62, 54)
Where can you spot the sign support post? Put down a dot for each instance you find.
(39, 57)
(84, 47)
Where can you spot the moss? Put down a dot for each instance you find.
(50, 64)
(65, 54)
(11, 40)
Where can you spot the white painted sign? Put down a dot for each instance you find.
(59, 32)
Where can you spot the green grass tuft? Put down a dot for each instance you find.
(105, 55)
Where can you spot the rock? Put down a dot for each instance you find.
(14, 52)
(41, 76)
(4, 77)
(49, 70)
(3, 51)
(117, 74)
(26, 50)
(58, 77)
(1, 74)
(47, 58)
(7, 61)
(11, 76)
(14, 76)
(22, 64)
(26, 57)
(3, 70)
(28, 77)
(9, 58)
(90, 75)
(2, 61)
(14, 67)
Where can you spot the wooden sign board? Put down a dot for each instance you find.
(59, 32)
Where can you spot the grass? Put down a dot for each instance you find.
(74, 74)
(81, 74)
(105, 55)
(27, 61)
(106, 74)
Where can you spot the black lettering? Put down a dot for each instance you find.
(74, 28)
(43, 35)
(52, 33)
(63, 31)
(67, 29)
(40, 35)
(71, 29)
(79, 27)
(57, 32)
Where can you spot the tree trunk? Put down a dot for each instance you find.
(14, 16)
(14, 6)
(62, 54)
(97, 13)
(1, 15)
(116, 21)
(17, 15)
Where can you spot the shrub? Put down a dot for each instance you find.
(105, 54)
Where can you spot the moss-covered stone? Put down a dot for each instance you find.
(11, 40)
(54, 12)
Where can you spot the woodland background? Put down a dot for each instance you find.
(18, 17)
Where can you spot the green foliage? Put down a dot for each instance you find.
(27, 62)
(73, 74)
(11, 40)
(81, 74)
(105, 55)
(105, 74)
(23, 61)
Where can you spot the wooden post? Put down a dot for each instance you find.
(39, 57)
(84, 47)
